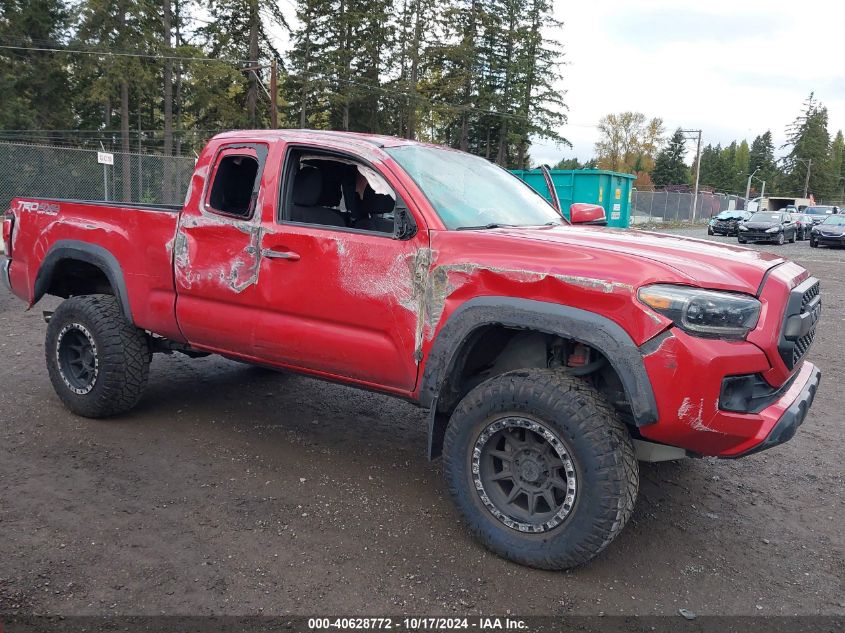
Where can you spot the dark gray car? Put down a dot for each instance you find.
(768, 226)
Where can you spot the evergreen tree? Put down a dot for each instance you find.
(237, 31)
(741, 162)
(762, 155)
(837, 165)
(809, 143)
(34, 85)
(669, 168)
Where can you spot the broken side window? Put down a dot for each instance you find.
(234, 188)
(330, 190)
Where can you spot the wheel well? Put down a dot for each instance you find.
(493, 350)
(72, 277)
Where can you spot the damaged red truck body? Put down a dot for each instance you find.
(550, 355)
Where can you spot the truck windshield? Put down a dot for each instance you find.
(470, 192)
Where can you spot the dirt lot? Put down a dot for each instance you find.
(236, 490)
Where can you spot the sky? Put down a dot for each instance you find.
(730, 68)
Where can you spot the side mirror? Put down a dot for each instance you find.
(583, 213)
(404, 226)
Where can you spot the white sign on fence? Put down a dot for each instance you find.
(105, 158)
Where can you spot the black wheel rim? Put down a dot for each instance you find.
(76, 353)
(524, 474)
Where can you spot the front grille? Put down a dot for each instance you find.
(802, 346)
(810, 294)
(802, 300)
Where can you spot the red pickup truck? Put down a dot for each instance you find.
(550, 356)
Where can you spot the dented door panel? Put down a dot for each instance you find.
(215, 261)
(347, 306)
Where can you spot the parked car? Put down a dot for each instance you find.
(819, 212)
(830, 232)
(803, 224)
(550, 356)
(768, 226)
(727, 222)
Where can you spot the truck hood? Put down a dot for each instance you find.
(683, 259)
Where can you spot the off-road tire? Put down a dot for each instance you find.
(597, 441)
(120, 349)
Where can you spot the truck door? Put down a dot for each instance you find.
(340, 270)
(215, 251)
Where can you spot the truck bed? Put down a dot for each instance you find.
(133, 240)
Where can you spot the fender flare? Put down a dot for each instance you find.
(561, 320)
(89, 253)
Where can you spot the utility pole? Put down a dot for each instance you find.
(274, 95)
(748, 186)
(696, 134)
(807, 179)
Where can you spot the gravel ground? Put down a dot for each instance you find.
(236, 490)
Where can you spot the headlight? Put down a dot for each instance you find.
(700, 312)
(774, 229)
(742, 227)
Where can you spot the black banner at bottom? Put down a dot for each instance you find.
(408, 624)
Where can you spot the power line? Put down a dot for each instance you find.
(133, 55)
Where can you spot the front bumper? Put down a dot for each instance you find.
(758, 236)
(690, 415)
(724, 230)
(789, 421)
(830, 240)
(4, 273)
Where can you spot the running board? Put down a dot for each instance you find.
(651, 452)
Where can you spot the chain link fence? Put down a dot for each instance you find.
(49, 171)
(656, 207)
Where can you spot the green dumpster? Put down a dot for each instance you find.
(610, 189)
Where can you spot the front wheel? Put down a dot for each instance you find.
(813, 243)
(709, 230)
(741, 240)
(541, 467)
(781, 239)
(98, 362)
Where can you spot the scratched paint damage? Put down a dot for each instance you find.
(422, 290)
(694, 416)
(441, 284)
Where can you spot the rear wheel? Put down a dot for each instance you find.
(541, 467)
(98, 362)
